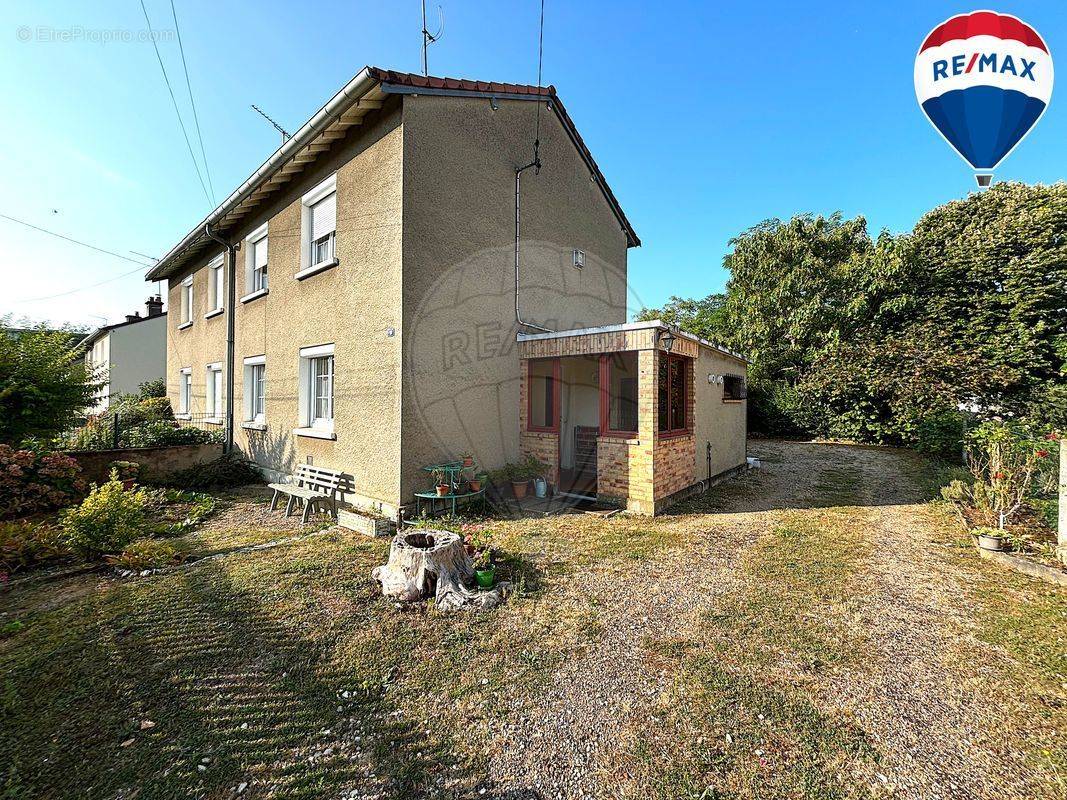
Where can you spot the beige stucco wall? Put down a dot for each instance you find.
(351, 306)
(721, 423)
(461, 367)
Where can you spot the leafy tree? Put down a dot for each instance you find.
(705, 318)
(883, 340)
(791, 283)
(44, 383)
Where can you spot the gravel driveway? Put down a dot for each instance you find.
(924, 691)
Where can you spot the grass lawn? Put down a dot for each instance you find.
(814, 630)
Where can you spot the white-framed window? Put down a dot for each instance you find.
(187, 300)
(215, 405)
(185, 390)
(319, 216)
(256, 260)
(255, 389)
(216, 282)
(316, 389)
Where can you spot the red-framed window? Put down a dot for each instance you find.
(673, 394)
(543, 394)
(618, 394)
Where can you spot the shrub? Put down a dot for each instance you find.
(941, 435)
(127, 470)
(44, 383)
(147, 554)
(106, 521)
(34, 481)
(153, 388)
(167, 434)
(225, 472)
(25, 544)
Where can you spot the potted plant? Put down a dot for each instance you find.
(989, 538)
(484, 571)
(468, 460)
(476, 482)
(127, 472)
(520, 480)
(440, 478)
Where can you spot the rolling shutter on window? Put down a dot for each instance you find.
(324, 216)
(259, 253)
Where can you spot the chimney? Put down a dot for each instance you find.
(154, 305)
(133, 317)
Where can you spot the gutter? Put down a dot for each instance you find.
(231, 286)
(323, 118)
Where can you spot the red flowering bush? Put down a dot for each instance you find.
(32, 481)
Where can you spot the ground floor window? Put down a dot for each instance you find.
(542, 388)
(185, 390)
(214, 402)
(255, 391)
(734, 388)
(618, 399)
(317, 387)
(673, 393)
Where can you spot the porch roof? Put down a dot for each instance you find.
(610, 339)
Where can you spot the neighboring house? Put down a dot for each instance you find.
(405, 285)
(126, 354)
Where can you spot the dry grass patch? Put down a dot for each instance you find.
(739, 717)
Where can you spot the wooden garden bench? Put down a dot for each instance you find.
(311, 486)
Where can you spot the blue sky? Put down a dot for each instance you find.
(706, 118)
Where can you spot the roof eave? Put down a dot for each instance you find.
(343, 100)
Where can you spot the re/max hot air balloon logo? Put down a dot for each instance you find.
(983, 79)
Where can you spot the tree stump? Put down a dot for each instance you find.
(424, 563)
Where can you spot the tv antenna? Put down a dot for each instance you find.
(429, 38)
(277, 127)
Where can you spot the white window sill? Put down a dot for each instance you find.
(254, 426)
(183, 415)
(248, 298)
(185, 325)
(214, 421)
(316, 269)
(315, 433)
(213, 313)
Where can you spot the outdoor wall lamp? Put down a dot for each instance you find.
(667, 340)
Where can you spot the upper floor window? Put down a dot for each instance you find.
(673, 392)
(319, 226)
(187, 300)
(216, 283)
(256, 260)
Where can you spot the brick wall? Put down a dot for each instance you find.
(541, 445)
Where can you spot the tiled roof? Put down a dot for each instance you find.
(457, 84)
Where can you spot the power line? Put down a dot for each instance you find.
(189, 86)
(82, 288)
(75, 241)
(174, 100)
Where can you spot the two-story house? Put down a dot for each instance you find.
(125, 355)
(408, 278)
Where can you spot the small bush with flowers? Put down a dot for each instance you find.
(36, 481)
(1012, 464)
